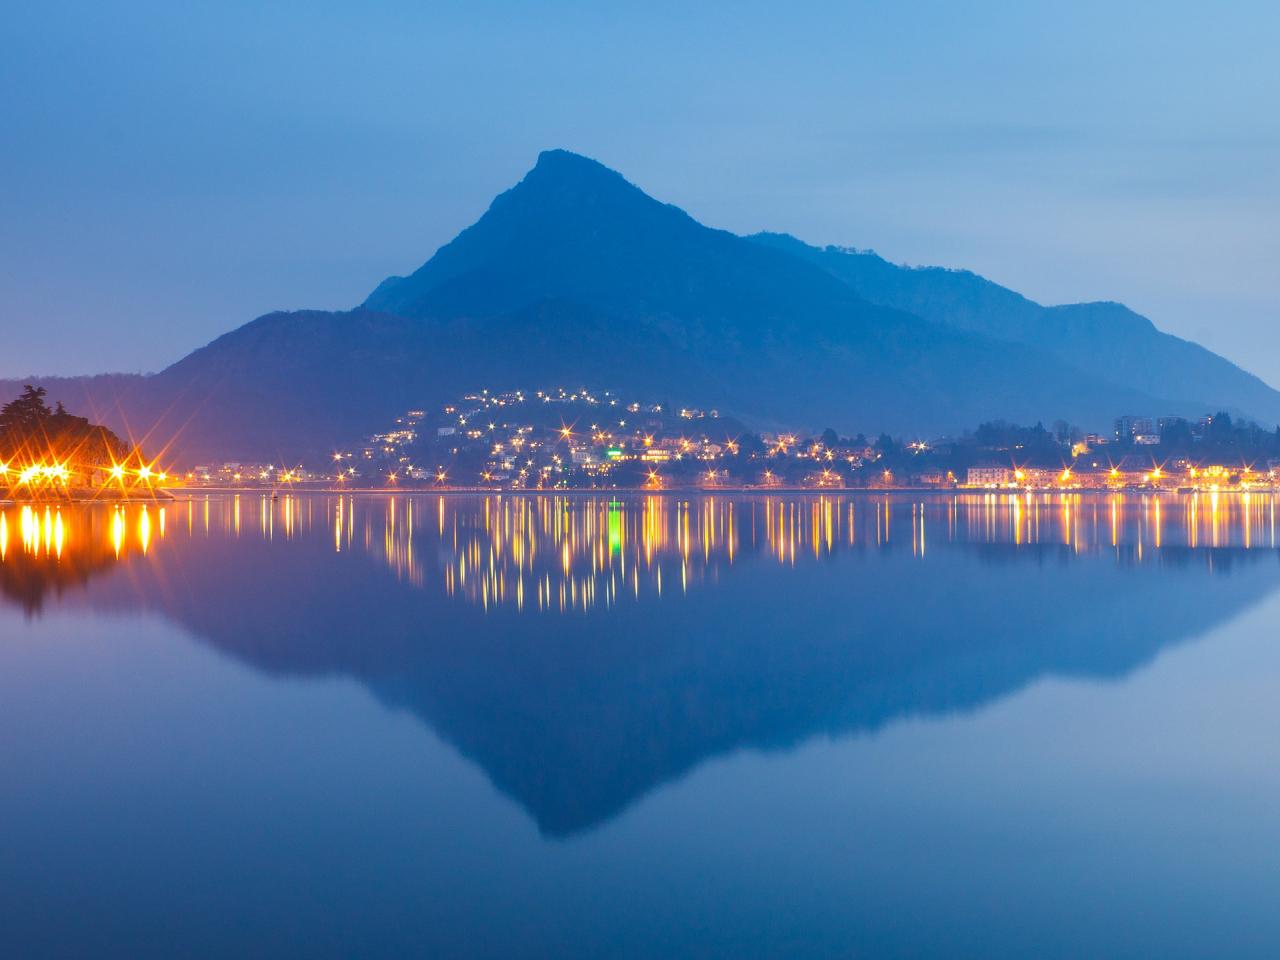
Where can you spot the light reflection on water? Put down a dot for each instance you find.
(658, 725)
(564, 553)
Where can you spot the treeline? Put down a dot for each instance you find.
(33, 432)
(1217, 440)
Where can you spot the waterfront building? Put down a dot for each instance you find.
(989, 476)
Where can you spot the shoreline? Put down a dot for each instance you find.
(684, 491)
(153, 496)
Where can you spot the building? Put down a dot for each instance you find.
(1137, 470)
(1129, 427)
(1036, 477)
(989, 476)
(931, 478)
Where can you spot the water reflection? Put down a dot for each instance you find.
(584, 650)
(48, 548)
(576, 553)
(565, 553)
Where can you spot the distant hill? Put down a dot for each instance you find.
(576, 277)
(1105, 339)
(100, 396)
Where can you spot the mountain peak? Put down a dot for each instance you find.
(565, 212)
(559, 159)
(564, 172)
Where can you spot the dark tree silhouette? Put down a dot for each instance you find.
(30, 430)
(27, 414)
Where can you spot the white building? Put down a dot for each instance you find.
(990, 476)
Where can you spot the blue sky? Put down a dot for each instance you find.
(172, 170)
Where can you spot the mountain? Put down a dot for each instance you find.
(767, 336)
(1106, 339)
(576, 277)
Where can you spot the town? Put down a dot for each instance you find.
(560, 440)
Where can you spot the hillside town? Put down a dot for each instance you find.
(560, 439)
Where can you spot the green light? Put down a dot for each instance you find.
(615, 527)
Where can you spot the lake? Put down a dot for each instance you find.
(975, 725)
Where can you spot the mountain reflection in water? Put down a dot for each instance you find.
(585, 649)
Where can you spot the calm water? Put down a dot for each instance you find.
(641, 727)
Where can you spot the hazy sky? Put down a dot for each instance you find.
(172, 170)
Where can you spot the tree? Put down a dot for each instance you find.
(1175, 434)
(750, 445)
(25, 415)
(29, 428)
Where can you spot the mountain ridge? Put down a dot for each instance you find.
(1137, 352)
(576, 276)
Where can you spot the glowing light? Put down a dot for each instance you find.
(144, 529)
(30, 531)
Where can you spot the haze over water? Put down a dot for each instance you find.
(632, 726)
